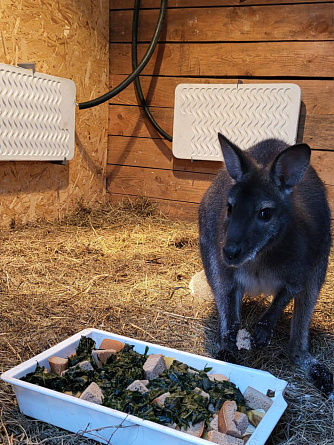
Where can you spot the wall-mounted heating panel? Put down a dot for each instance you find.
(37, 116)
(244, 113)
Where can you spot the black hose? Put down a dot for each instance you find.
(126, 82)
(139, 90)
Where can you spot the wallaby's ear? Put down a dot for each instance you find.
(290, 165)
(236, 161)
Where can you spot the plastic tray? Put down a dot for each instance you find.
(114, 427)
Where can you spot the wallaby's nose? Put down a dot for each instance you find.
(231, 251)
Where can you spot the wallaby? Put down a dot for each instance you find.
(265, 229)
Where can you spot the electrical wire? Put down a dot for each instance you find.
(126, 82)
(138, 87)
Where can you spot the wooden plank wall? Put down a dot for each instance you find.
(66, 38)
(213, 41)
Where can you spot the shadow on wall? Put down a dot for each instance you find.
(37, 176)
(93, 167)
(161, 144)
(32, 177)
(301, 125)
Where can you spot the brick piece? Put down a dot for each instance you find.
(161, 399)
(154, 366)
(197, 429)
(86, 366)
(100, 356)
(223, 439)
(218, 378)
(202, 393)
(58, 364)
(109, 343)
(256, 399)
(93, 394)
(241, 422)
(138, 386)
(226, 422)
(214, 423)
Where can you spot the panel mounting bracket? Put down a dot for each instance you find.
(27, 66)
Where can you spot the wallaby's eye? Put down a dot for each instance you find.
(229, 209)
(266, 214)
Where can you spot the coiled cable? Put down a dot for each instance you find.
(138, 87)
(126, 82)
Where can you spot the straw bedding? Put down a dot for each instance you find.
(126, 269)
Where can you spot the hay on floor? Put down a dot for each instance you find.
(126, 269)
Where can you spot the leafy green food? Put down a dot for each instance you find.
(47, 380)
(193, 396)
(185, 408)
(83, 351)
(120, 371)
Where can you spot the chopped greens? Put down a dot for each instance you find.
(83, 351)
(47, 380)
(193, 396)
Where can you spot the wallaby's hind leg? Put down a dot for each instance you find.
(304, 304)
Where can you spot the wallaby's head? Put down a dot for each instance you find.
(259, 206)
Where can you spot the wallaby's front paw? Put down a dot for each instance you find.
(263, 334)
(228, 342)
(322, 379)
(226, 356)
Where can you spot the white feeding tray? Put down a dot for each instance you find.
(110, 426)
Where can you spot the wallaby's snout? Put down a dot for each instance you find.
(231, 252)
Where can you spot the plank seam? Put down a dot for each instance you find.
(227, 6)
(152, 197)
(139, 106)
(210, 42)
(242, 77)
(162, 169)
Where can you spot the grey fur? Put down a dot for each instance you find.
(282, 250)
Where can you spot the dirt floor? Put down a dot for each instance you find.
(126, 269)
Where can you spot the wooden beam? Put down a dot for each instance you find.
(131, 121)
(317, 95)
(157, 153)
(185, 187)
(157, 183)
(282, 23)
(185, 211)
(323, 162)
(267, 59)
(153, 153)
(128, 4)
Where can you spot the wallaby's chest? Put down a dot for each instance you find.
(257, 280)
